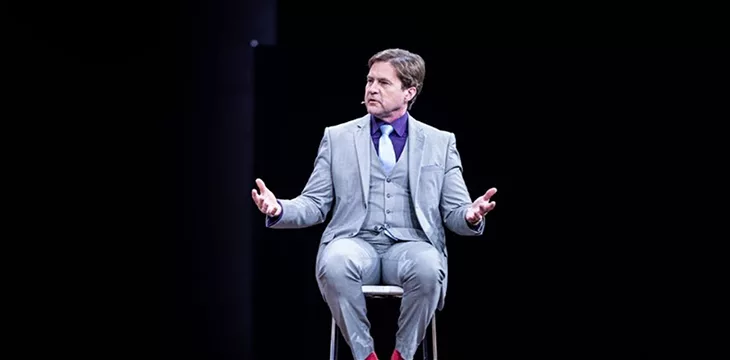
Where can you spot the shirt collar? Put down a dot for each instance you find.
(400, 125)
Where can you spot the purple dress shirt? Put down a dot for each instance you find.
(397, 136)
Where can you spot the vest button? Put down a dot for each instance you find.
(388, 211)
(388, 195)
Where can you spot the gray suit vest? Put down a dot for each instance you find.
(391, 214)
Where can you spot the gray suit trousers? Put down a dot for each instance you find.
(345, 264)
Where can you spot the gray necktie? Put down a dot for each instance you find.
(385, 148)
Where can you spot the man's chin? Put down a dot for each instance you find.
(374, 109)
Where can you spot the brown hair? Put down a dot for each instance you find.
(410, 67)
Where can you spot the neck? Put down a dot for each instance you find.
(392, 116)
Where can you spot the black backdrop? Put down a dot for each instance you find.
(578, 143)
(582, 144)
(555, 272)
(592, 151)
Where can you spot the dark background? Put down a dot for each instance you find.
(576, 119)
(558, 132)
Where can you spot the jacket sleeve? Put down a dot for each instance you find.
(314, 203)
(455, 199)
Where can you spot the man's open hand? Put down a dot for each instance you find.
(480, 207)
(265, 199)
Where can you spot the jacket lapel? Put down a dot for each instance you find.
(362, 148)
(415, 155)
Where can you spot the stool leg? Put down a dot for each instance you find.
(424, 348)
(433, 338)
(333, 341)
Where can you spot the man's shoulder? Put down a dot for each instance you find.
(432, 132)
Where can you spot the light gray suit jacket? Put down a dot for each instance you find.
(342, 176)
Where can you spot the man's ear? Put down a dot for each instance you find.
(411, 93)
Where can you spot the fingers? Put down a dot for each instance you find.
(473, 217)
(481, 207)
(486, 207)
(261, 185)
(256, 197)
(488, 195)
(259, 201)
(269, 207)
(272, 210)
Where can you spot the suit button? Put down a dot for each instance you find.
(388, 211)
(388, 195)
(388, 180)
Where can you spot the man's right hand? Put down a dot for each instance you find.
(265, 200)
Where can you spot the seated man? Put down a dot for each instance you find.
(394, 182)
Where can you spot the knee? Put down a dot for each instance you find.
(337, 263)
(336, 267)
(427, 276)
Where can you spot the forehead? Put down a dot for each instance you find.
(383, 70)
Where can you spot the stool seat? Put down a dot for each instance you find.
(382, 291)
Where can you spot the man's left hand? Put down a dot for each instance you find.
(480, 207)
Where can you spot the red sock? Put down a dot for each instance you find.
(396, 356)
(372, 356)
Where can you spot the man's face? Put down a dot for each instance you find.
(384, 93)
